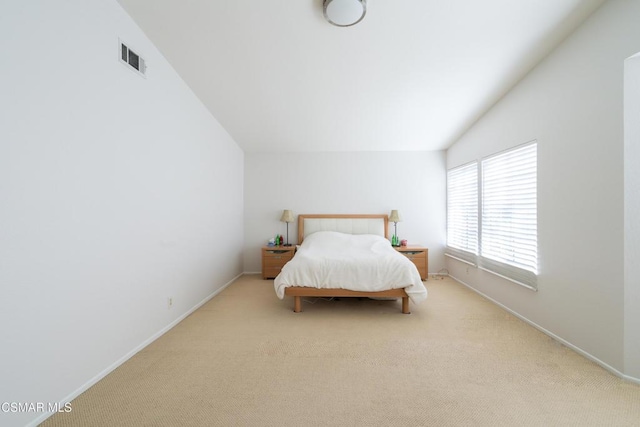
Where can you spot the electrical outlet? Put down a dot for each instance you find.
(170, 302)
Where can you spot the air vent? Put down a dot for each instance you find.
(132, 59)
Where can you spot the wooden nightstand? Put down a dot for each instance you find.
(274, 258)
(420, 257)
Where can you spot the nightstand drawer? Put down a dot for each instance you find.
(277, 253)
(419, 256)
(419, 262)
(274, 258)
(414, 254)
(277, 261)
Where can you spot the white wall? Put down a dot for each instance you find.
(572, 104)
(345, 182)
(116, 192)
(632, 216)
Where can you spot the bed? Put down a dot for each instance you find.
(348, 256)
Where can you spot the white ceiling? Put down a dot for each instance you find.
(413, 75)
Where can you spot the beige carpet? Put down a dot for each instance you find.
(245, 359)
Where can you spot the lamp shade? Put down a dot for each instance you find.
(344, 13)
(287, 216)
(395, 216)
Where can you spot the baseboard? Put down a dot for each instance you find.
(132, 353)
(564, 342)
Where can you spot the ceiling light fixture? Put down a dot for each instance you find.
(344, 13)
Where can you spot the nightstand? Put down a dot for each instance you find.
(274, 258)
(419, 256)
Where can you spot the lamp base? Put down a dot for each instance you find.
(287, 244)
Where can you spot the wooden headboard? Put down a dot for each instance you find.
(345, 223)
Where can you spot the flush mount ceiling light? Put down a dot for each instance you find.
(344, 13)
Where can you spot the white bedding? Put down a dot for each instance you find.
(364, 262)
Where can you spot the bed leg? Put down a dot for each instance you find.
(405, 305)
(297, 305)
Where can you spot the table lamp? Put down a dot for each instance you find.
(395, 218)
(287, 216)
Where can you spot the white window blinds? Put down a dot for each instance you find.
(509, 232)
(462, 212)
(492, 214)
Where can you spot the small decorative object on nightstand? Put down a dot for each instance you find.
(419, 255)
(274, 258)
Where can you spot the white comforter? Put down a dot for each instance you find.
(364, 262)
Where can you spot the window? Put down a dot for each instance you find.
(462, 212)
(507, 242)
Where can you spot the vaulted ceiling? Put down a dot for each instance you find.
(413, 75)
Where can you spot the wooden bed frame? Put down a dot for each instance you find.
(298, 292)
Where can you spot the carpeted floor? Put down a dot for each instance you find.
(245, 359)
